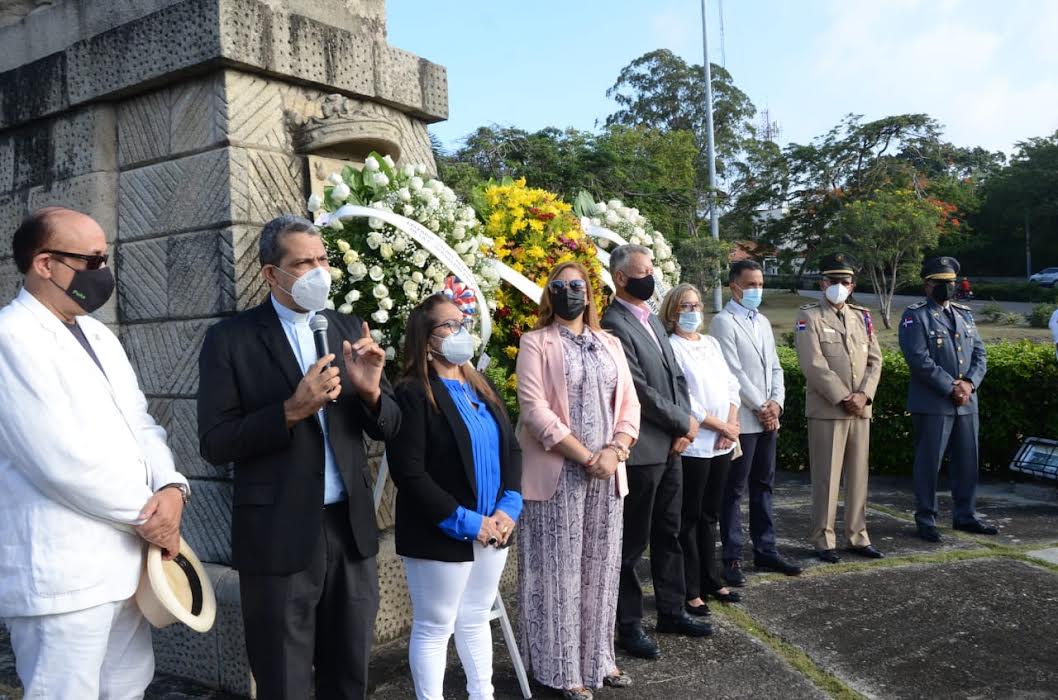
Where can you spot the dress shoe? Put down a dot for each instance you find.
(977, 527)
(577, 694)
(683, 624)
(929, 533)
(696, 610)
(617, 680)
(830, 556)
(869, 551)
(777, 564)
(636, 642)
(729, 597)
(733, 575)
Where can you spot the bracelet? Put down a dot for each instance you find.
(620, 450)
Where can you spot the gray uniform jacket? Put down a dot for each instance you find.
(938, 353)
(660, 384)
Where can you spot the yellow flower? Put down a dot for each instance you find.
(511, 351)
(512, 382)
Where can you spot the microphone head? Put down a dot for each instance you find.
(318, 323)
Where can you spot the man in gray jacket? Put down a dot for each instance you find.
(748, 345)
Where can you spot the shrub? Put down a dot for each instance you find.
(1011, 319)
(993, 311)
(1040, 315)
(1016, 400)
(1015, 291)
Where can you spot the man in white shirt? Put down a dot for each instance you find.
(85, 471)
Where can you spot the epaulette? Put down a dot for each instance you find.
(810, 306)
(917, 304)
(964, 307)
(857, 307)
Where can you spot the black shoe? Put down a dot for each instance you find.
(636, 642)
(869, 551)
(977, 527)
(777, 564)
(929, 533)
(696, 610)
(830, 556)
(729, 597)
(683, 624)
(733, 575)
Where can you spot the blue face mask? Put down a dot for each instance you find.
(751, 297)
(690, 321)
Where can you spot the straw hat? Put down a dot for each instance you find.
(177, 590)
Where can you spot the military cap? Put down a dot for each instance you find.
(943, 268)
(838, 265)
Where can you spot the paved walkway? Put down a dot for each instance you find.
(970, 617)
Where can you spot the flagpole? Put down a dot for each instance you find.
(714, 221)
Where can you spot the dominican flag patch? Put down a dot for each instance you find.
(869, 322)
(907, 322)
(800, 326)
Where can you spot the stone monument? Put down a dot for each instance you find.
(182, 126)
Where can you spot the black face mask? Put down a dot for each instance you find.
(568, 304)
(640, 287)
(89, 288)
(942, 292)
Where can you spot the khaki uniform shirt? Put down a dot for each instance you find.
(839, 355)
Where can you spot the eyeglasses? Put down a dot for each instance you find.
(690, 306)
(92, 262)
(557, 286)
(844, 281)
(453, 326)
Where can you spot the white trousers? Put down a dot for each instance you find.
(449, 597)
(102, 652)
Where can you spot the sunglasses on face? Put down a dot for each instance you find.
(557, 286)
(453, 326)
(92, 262)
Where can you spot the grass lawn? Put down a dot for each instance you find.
(781, 309)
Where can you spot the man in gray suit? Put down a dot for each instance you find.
(655, 474)
(947, 361)
(748, 345)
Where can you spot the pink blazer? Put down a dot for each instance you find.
(544, 405)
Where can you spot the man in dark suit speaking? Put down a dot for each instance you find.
(655, 474)
(304, 537)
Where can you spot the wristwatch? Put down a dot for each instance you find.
(184, 489)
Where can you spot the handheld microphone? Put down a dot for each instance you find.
(318, 325)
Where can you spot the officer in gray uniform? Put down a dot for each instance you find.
(947, 361)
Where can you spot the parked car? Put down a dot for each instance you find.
(1047, 277)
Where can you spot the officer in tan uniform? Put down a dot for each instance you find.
(837, 349)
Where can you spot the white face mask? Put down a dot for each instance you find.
(311, 290)
(458, 347)
(690, 321)
(837, 294)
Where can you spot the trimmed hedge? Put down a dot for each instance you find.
(1018, 398)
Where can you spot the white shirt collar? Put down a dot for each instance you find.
(741, 311)
(289, 315)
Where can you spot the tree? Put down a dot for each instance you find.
(889, 232)
(703, 260)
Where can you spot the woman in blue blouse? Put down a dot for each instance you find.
(457, 466)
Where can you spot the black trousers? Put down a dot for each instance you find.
(652, 516)
(703, 489)
(322, 617)
(755, 469)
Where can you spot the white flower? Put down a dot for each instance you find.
(357, 271)
(436, 186)
(386, 251)
(381, 180)
(404, 194)
(335, 179)
(459, 233)
(388, 160)
(335, 224)
(336, 274)
(468, 259)
(380, 291)
(668, 266)
(448, 195)
(374, 240)
(408, 170)
(612, 218)
(315, 203)
(409, 210)
(420, 257)
(634, 240)
(376, 335)
(600, 208)
(376, 273)
(345, 309)
(415, 184)
(329, 305)
(411, 287)
(371, 165)
(380, 316)
(386, 304)
(352, 296)
(625, 212)
(635, 212)
(596, 221)
(400, 244)
(343, 246)
(340, 192)
(390, 352)
(433, 224)
(420, 169)
(638, 230)
(375, 222)
(614, 204)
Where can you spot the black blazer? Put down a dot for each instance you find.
(432, 463)
(659, 381)
(247, 369)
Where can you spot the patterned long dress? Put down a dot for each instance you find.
(569, 551)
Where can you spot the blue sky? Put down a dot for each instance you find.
(987, 70)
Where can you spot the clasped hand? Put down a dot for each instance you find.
(855, 404)
(495, 529)
(602, 464)
(961, 392)
(160, 521)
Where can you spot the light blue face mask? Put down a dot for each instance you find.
(751, 297)
(690, 321)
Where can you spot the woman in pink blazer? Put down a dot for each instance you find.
(579, 417)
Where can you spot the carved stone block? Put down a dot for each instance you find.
(143, 286)
(250, 287)
(84, 142)
(398, 77)
(165, 356)
(201, 275)
(94, 194)
(434, 90)
(235, 675)
(394, 605)
(254, 111)
(33, 90)
(12, 211)
(206, 523)
(7, 164)
(265, 185)
(10, 280)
